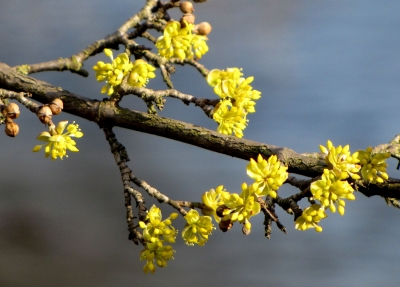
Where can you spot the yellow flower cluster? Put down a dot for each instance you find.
(197, 228)
(268, 175)
(158, 252)
(239, 208)
(228, 208)
(373, 165)
(330, 190)
(310, 218)
(57, 141)
(340, 161)
(113, 73)
(237, 99)
(180, 42)
(155, 232)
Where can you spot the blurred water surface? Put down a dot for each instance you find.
(326, 69)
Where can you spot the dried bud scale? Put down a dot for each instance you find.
(186, 7)
(44, 114)
(11, 111)
(188, 18)
(204, 28)
(12, 129)
(56, 106)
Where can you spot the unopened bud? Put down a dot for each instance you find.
(12, 128)
(186, 7)
(56, 106)
(11, 111)
(204, 28)
(45, 114)
(187, 18)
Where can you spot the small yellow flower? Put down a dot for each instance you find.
(241, 207)
(216, 77)
(197, 228)
(212, 199)
(112, 73)
(340, 161)
(158, 252)
(230, 119)
(373, 165)
(310, 218)
(141, 73)
(58, 142)
(268, 175)
(199, 45)
(155, 229)
(176, 41)
(330, 190)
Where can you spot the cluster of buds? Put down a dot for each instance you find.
(187, 9)
(46, 112)
(10, 112)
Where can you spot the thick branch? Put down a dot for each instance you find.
(107, 114)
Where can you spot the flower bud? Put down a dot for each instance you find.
(45, 114)
(56, 106)
(204, 28)
(11, 111)
(188, 18)
(12, 128)
(186, 7)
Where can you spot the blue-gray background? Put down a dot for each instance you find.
(326, 69)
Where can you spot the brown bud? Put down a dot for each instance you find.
(45, 114)
(11, 111)
(189, 18)
(186, 7)
(204, 28)
(12, 128)
(56, 106)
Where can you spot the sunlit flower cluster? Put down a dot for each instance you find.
(228, 208)
(237, 99)
(179, 42)
(331, 191)
(231, 119)
(156, 252)
(141, 73)
(57, 142)
(310, 218)
(155, 229)
(268, 175)
(239, 208)
(155, 233)
(213, 199)
(340, 161)
(373, 165)
(113, 73)
(197, 229)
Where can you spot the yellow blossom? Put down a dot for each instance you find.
(197, 228)
(176, 41)
(373, 165)
(240, 207)
(112, 73)
(155, 229)
(310, 218)
(199, 45)
(340, 161)
(330, 190)
(58, 141)
(212, 199)
(156, 252)
(230, 119)
(268, 175)
(141, 73)
(216, 77)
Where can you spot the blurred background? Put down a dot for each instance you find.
(326, 70)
